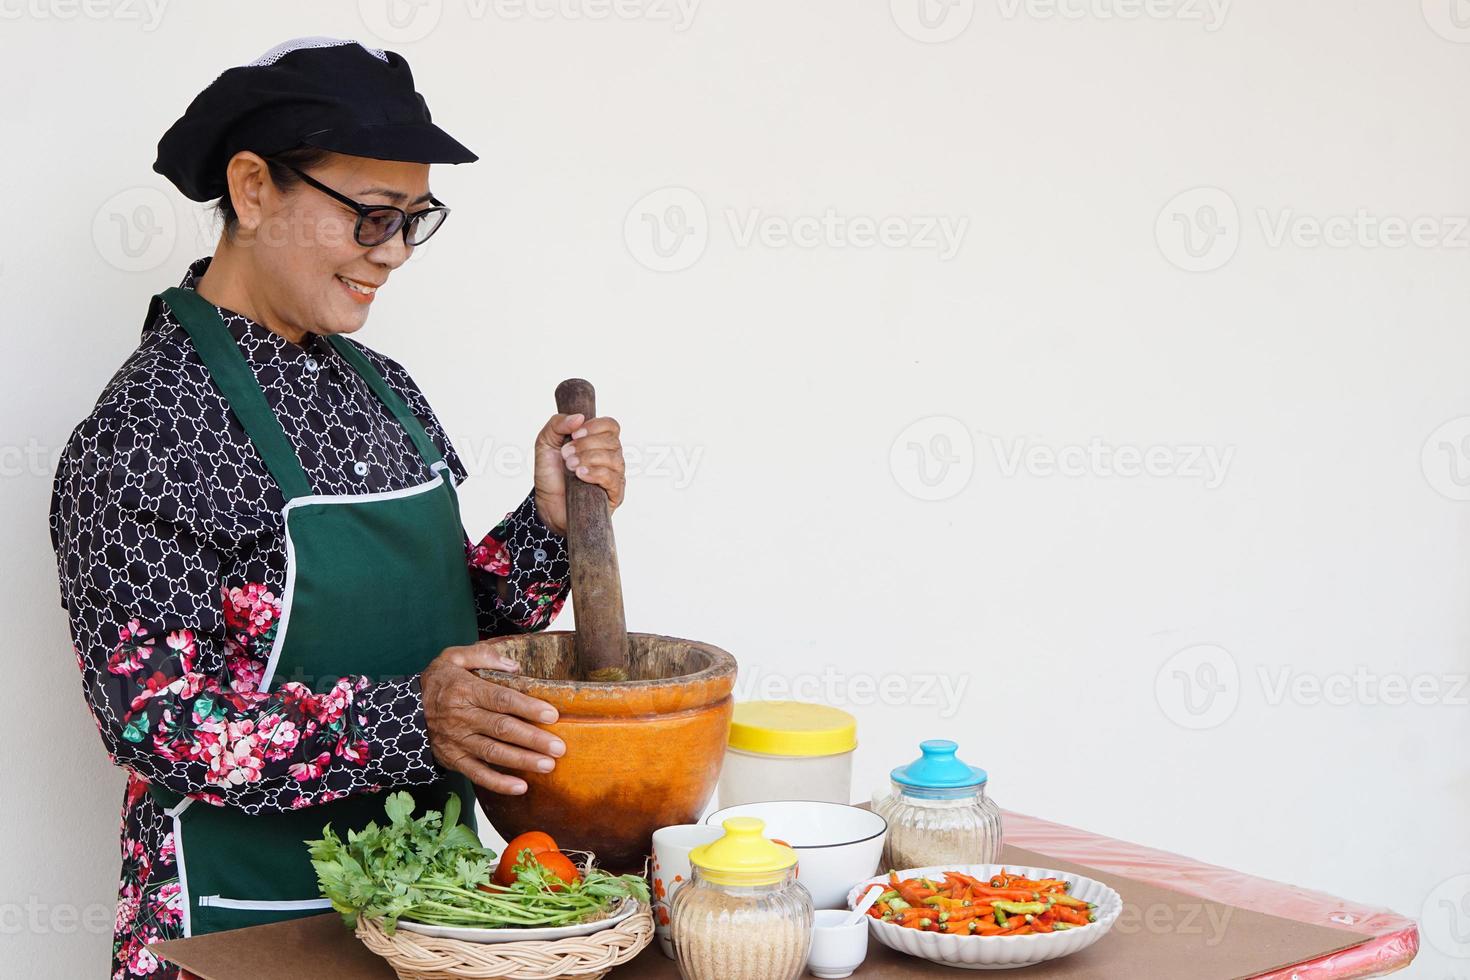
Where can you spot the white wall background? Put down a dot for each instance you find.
(816, 388)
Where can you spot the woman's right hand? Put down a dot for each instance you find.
(475, 724)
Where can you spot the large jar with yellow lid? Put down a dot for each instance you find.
(742, 915)
(788, 750)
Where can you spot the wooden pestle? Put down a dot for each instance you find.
(601, 643)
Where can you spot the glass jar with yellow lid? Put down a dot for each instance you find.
(742, 915)
(788, 750)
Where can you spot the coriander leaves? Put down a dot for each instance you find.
(434, 869)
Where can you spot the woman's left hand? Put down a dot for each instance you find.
(594, 453)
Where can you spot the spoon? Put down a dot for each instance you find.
(862, 906)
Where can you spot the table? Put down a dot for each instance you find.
(1396, 938)
(1393, 944)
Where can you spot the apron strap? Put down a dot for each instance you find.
(390, 400)
(227, 367)
(230, 372)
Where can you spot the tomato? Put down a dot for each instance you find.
(534, 841)
(560, 865)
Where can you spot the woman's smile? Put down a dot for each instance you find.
(361, 292)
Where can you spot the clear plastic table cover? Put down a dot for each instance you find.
(1396, 938)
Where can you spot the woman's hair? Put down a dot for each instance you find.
(300, 157)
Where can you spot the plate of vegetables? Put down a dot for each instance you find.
(431, 875)
(988, 916)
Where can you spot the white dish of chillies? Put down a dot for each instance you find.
(975, 951)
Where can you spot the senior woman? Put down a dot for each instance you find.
(275, 607)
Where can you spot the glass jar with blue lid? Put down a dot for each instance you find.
(939, 813)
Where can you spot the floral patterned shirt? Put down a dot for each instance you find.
(170, 548)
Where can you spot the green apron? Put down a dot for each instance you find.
(376, 584)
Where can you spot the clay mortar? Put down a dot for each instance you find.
(641, 754)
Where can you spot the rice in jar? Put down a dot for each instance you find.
(939, 812)
(742, 915)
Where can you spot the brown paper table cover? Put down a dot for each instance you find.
(1161, 933)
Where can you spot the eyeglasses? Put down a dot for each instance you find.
(376, 223)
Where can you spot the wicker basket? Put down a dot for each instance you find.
(414, 956)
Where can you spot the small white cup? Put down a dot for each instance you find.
(671, 847)
(837, 950)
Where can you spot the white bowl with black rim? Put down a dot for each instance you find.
(836, 844)
(996, 952)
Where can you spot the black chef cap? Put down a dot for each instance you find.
(320, 91)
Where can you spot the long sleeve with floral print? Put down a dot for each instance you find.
(169, 540)
(171, 556)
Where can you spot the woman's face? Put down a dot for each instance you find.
(310, 272)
